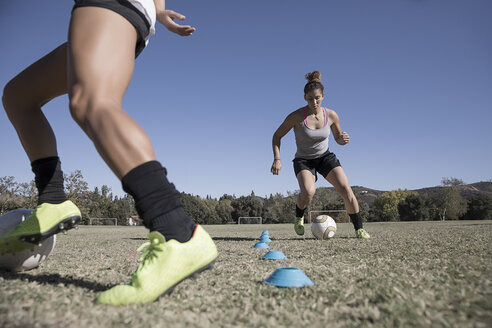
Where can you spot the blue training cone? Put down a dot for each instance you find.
(289, 277)
(261, 245)
(265, 239)
(274, 255)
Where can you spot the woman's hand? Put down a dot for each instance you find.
(276, 166)
(167, 17)
(344, 138)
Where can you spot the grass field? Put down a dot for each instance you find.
(425, 274)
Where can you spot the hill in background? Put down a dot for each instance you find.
(368, 195)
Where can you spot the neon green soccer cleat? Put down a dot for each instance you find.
(299, 225)
(361, 233)
(164, 265)
(46, 221)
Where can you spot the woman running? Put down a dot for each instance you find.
(312, 124)
(94, 68)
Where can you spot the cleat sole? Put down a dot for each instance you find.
(63, 226)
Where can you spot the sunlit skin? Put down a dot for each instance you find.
(305, 178)
(94, 67)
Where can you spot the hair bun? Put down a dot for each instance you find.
(313, 77)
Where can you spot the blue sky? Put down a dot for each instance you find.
(410, 79)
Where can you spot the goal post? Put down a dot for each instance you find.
(250, 220)
(103, 221)
(326, 211)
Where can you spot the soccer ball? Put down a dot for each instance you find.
(323, 227)
(29, 258)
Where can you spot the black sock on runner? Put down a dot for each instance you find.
(158, 202)
(49, 180)
(356, 220)
(299, 212)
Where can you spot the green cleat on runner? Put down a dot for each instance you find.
(299, 225)
(164, 265)
(46, 221)
(361, 233)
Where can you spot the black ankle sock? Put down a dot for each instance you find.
(174, 225)
(356, 220)
(49, 180)
(299, 212)
(158, 202)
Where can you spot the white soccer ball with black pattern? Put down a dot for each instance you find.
(29, 258)
(323, 227)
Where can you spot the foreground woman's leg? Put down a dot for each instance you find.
(100, 64)
(23, 98)
(26, 93)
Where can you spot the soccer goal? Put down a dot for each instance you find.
(250, 220)
(103, 221)
(338, 217)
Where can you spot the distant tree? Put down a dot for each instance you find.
(224, 210)
(97, 203)
(326, 199)
(288, 208)
(198, 210)
(9, 197)
(226, 196)
(413, 208)
(123, 208)
(102, 203)
(451, 204)
(385, 206)
(479, 208)
(274, 208)
(246, 206)
(77, 190)
(211, 205)
(29, 194)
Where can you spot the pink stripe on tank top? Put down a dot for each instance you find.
(324, 115)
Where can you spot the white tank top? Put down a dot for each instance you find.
(312, 143)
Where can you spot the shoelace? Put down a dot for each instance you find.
(147, 256)
(150, 253)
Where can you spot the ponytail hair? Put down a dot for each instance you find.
(314, 82)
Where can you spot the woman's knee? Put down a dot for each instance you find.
(308, 192)
(346, 192)
(11, 97)
(90, 110)
(39, 83)
(7, 96)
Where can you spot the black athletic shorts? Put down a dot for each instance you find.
(127, 10)
(323, 164)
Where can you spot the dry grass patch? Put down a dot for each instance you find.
(409, 274)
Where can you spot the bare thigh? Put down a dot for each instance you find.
(43, 80)
(101, 54)
(337, 178)
(26, 93)
(101, 59)
(307, 181)
(307, 188)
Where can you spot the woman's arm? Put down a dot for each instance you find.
(342, 138)
(282, 130)
(167, 17)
